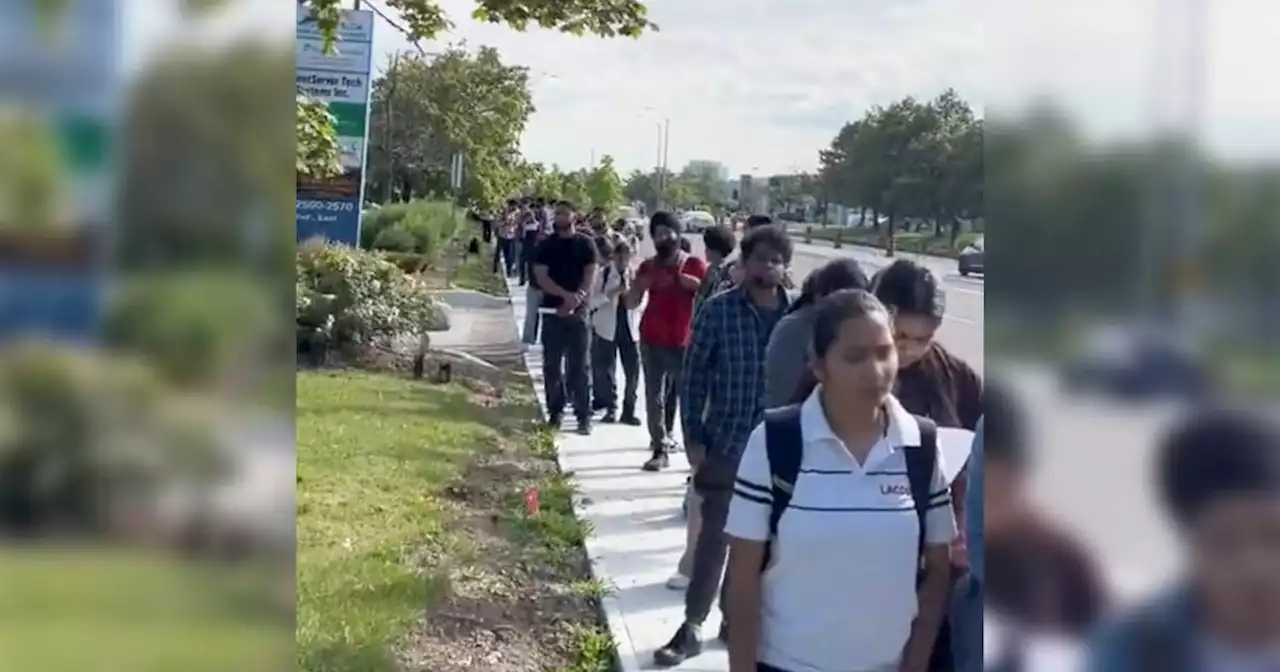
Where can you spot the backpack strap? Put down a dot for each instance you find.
(922, 461)
(784, 446)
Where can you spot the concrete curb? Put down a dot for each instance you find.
(627, 659)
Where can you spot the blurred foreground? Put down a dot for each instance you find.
(146, 448)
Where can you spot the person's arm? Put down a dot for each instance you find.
(691, 274)
(748, 530)
(699, 360)
(783, 364)
(644, 278)
(940, 531)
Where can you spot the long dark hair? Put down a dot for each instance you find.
(833, 276)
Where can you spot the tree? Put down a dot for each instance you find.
(574, 188)
(427, 108)
(604, 187)
(424, 20)
(706, 181)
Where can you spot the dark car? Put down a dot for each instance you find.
(1134, 365)
(970, 259)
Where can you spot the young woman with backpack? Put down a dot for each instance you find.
(841, 523)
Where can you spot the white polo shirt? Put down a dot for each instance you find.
(840, 592)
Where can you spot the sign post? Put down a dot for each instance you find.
(54, 253)
(330, 208)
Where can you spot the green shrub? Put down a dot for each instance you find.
(417, 226)
(193, 327)
(409, 262)
(347, 298)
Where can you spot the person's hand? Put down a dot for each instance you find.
(570, 303)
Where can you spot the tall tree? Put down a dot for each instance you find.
(427, 108)
(604, 187)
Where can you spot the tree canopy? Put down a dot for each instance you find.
(317, 149)
(427, 108)
(911, 159)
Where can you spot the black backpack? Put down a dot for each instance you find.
(784, 445)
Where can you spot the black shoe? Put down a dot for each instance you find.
(629, 419)
(610, 417)
(554, 421)
(584, 427)
(658, 462)
(684, 645)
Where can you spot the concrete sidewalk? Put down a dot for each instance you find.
(638, 532)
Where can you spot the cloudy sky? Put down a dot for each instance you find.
(761, 85)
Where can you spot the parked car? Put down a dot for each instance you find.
(1138, 364)
(971, 257)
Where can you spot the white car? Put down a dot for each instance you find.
(697, 221)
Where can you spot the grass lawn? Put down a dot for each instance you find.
(112, 610)
(415, 549)
(921, 243)
(476, 273)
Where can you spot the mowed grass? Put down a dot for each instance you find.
(80, 608)
(905, 241)
(408, 544)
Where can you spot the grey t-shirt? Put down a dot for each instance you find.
(787, 356)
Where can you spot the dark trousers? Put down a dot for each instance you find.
(504, 254)
(713, 481)
(565, 341)
(663, 380)
(604, 371)
(527, 246)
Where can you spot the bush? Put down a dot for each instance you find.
(349, 298)
(417, 226)
(409, 262)
(193, 327)
(85, 435)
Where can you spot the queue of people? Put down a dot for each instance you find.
(807, 421)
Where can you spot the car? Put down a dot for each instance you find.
(971, 258)
(697, 221)
(1138, 364)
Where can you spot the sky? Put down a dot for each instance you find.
(762, 85)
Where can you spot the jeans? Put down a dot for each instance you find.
(604, 370)
(663, 378)
(504, 255)
(565, 340)
(532, 300)
(966, 626)
(713, 482)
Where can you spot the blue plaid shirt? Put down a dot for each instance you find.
(724, 371)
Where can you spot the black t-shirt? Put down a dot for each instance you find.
(566, 259)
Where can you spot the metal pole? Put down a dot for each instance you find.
(658, 177)
(356, 5)
(393, 76)
(1189, 213)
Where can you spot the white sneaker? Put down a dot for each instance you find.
(678, 581)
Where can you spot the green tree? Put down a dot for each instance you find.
(604, 187)
(706, 181)
(574, 188)
(427, 108)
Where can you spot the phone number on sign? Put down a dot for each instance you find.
(327, 206)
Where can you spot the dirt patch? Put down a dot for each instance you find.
(517, 595)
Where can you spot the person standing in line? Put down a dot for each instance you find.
(504, 252)
(671, 279)
(613, 339)
(724, 370)
(787, 357)
(841, 529)
(530, 235)
(719, 242)
(564, 268)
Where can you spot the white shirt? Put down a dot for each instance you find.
(604, 310)
(840, 591)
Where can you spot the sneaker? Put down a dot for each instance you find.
(658, 462)
(678, 581)
(610, 417)
(554, 421)
(686, 644)
(584, 427)
(630, 419)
